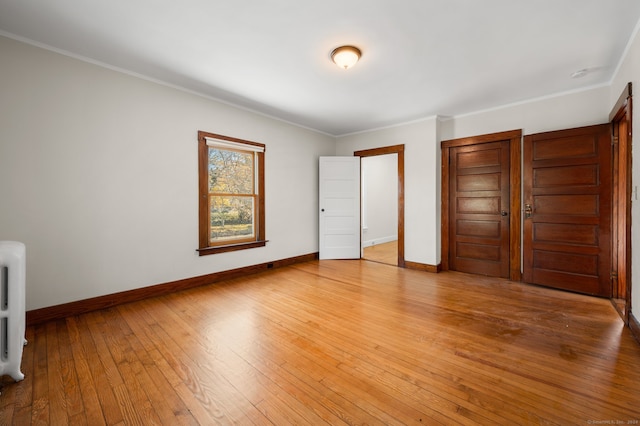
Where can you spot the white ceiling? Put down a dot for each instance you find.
(420, 57)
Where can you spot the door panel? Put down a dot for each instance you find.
(567, 194)
(339, 208)
(479, 208)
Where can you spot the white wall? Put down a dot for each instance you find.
(379, 199)
(563, 111)
(422, 177)
(99, 177)
(629, 72)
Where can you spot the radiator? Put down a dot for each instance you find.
(12, 308)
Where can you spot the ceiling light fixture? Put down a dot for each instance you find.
(345, 56)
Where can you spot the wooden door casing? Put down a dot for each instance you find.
(399, 151)
(621, 119)
(567, 222)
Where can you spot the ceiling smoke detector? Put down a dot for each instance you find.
(580, 73)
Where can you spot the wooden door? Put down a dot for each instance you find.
(339, 208)
(567, 219)
(479, 209)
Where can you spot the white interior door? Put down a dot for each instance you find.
(339, 207)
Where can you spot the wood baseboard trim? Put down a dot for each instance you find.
(634, 325)
(51, 313)
(423, 267)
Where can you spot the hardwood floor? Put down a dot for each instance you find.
(335, 342)
(383, 253)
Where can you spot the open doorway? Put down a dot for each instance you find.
(387, 251)
(379, 206)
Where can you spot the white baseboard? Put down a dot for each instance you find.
(382, 240)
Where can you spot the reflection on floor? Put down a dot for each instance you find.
(382, 253)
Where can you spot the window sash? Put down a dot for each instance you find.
(225, 226)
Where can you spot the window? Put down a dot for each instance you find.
(231, 192)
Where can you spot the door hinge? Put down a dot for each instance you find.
(614, 140)
(614, 275)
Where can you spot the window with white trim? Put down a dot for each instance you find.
(231, 194)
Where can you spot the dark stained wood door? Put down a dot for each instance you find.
(567, 220)
(479, 208)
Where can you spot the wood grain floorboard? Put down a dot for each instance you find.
(334, 342)
(382, 253)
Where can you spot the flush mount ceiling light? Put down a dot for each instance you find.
(345, 56)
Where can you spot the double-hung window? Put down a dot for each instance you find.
(231, 192)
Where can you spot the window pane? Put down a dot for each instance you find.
(232, 218)
(231, 172)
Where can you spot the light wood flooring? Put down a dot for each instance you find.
(335, 342)
(383, 253)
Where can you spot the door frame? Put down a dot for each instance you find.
(621, 118)
(515, 201)
(395, 149)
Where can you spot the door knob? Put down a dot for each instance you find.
(504, 213)
(527, 211)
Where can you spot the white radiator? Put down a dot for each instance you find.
(12, 307)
